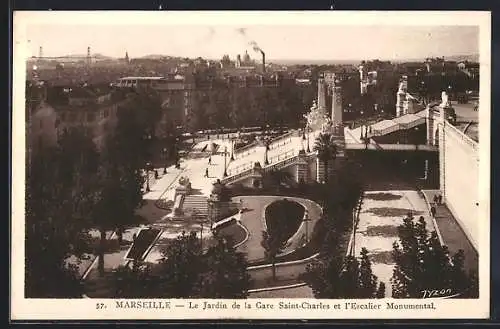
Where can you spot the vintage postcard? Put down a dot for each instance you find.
(250, 165)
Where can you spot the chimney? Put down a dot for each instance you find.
(263, 61)
(89, 58)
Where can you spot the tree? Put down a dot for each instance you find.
(367, 281)
(273, 244)
(119, 181)
(322, 275)
(333, 276)
(327, 150)
(422, 263)
(179, 269)
(136, 281)
(225, 272)
(58, 209)
(381, 290)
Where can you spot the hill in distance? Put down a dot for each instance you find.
(470, 58)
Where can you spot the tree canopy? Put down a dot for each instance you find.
(422, 263)
(186, 272)
(59, 204)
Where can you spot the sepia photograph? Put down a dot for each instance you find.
(302, 165)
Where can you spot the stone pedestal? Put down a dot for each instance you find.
(213, 209)
(214, 202)
(320, 171)
(441, 142)
(321, 95)
(429, 120)
(302, 174)
(256, 175)
(337, 111)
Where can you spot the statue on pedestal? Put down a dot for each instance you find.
(444, 100)
(326, 125)
(315, 118)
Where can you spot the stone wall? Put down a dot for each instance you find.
(459, 171)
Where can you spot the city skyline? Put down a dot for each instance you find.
(322, 41)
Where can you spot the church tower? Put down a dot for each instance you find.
(127, 60)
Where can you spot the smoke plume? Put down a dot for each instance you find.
(252, 43)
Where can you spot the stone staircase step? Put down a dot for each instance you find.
(196, 202)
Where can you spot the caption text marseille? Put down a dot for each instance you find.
(205, 305)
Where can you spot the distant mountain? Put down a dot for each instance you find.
(470, 58)
(98, 56)
(155, 56)
(459, 58)
(455, 58)
(313, 61)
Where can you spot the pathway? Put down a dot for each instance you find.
(381, 213)
(295, 292)
(253, 220)
(452, 234)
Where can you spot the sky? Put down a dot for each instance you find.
(279, 41)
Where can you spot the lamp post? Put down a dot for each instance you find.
(225, 161)
(176, 150)
(354, 225)
(366, 139)
(308, 133)
(232, 149)
(148, 189)
(266, 160)
(422, 87)
(201, 237)
(306, 220)
(164, 160)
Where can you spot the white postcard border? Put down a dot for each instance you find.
(85, 309)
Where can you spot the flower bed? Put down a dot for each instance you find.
(283, 218)
(232, 231)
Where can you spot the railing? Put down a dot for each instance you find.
(283, 161)
(242, 149)
(277, 139)
(233, 178)
(392, 147)
(244, 153)
(282, 156)
(281, 164)
(280, 143)
(400, 126)
(240, 168)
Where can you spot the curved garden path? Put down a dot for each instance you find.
(253, 219)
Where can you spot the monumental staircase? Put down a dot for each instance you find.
(196, 205)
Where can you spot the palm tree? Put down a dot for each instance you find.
(327, 150)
